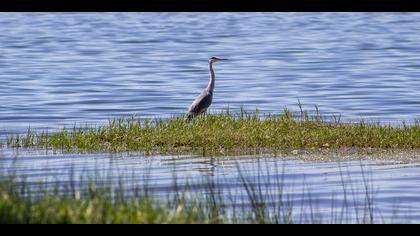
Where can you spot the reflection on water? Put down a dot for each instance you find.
(60, 68)
(393, 186)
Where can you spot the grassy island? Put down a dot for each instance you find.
(225, 131)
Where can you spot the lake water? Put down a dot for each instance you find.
(64, 68)
(61, 69)
(393, 188)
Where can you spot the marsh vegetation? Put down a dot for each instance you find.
(249, 199)
(225, 131)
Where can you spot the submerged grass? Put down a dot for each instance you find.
(204, 201)
(226, 131)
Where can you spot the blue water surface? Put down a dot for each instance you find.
(81, 68)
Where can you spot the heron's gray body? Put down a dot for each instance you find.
(201, 103)
(204, 100)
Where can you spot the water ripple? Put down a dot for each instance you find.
(58, 68)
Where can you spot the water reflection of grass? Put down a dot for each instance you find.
(226, 131)
(253, 199)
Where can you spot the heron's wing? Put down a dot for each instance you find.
(202, 102)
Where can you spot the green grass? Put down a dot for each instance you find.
(225, 132)
(103, 203)
(21, 204)
(97, 208)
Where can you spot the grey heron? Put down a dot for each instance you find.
(203, 101)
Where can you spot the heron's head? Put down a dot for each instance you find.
(216, 59)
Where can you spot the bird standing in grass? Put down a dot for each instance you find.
(203, 101)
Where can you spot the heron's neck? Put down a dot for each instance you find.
(210, 86)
